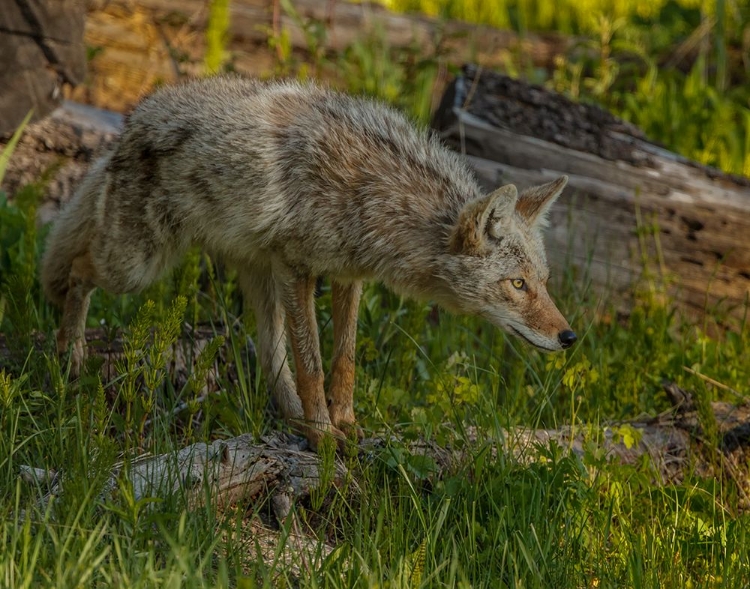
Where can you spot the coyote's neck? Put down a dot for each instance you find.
(411, 255)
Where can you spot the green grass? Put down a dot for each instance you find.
(551, 520)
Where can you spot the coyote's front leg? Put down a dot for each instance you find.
(303, 334)
(345, 306)
(73, 323)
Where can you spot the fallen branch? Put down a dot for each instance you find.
(281, 471)
(280, 467)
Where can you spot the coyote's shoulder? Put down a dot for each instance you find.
(288, 182)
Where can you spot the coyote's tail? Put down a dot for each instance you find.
(71, 234)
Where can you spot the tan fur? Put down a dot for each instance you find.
(288, 182)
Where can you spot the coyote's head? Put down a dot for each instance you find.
(498, 268)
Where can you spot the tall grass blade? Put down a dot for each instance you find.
(11, 146)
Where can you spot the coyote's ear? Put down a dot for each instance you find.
(482, 219)
(535, 202)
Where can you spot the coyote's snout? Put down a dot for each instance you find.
(288, 182)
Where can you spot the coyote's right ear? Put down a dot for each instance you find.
(483, 219)
(534, 203)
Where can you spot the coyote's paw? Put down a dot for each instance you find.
(342, 417)
(77, 352)
(316, 434)
(351, 430)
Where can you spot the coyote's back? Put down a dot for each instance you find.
(288, 182)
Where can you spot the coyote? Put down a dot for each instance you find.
(288, 182)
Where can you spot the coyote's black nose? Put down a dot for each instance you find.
(566, 338)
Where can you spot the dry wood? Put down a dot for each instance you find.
(280, 464)
(628, 200)
(143, 42)
(673, 440)
(239, 472)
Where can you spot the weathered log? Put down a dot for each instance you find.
(673, 441)
(237, 472)
(241, 471)
(633, 210)
(60, 147)
(41, 48)
(139, 43)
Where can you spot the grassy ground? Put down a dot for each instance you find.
(558, 521)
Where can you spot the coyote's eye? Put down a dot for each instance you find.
(518, 283)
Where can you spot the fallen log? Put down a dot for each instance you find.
(710, 439)
(232, 474)
(633, 211)
(239, 473)
(139, 43)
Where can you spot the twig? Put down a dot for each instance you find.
(710, 380)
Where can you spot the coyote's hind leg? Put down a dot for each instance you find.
(261, 292)
(345, 306)
(73, 324)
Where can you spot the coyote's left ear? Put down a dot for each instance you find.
(481, 221)
(534, 203)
